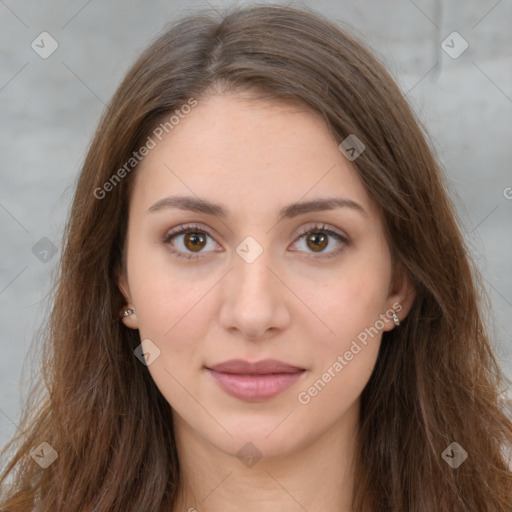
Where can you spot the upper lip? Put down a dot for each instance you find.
(265, 366)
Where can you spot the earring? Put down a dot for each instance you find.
(396, 320)
(129, 312)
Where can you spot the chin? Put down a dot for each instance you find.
(260, 438)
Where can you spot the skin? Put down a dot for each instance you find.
(290, 304)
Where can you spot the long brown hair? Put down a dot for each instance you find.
(436, 380)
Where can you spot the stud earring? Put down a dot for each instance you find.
(396, 320)
(129, 312)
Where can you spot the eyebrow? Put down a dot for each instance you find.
(195, 204)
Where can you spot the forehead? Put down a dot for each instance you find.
(248, 155)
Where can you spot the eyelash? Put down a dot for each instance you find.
(194, 228)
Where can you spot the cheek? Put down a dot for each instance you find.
(343, 360)
(344, 356)
(353, 300)
(175, 315)
(166, 294)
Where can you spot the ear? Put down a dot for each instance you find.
(401, 297)
(130, 320)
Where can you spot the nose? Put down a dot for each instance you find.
(254, 299)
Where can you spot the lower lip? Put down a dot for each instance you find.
(254, 388)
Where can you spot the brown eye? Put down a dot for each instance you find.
(189, 242)
(317, 241)
(194, 241)
(321, 240)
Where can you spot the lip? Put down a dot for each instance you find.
(257, 381)
(265, 366)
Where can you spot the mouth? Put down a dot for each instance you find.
(254, 382)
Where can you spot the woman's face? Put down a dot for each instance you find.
(247, 283)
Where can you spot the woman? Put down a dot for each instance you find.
(265, 302)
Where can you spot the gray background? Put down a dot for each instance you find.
(50, 108)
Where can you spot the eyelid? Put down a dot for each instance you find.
(332, 232)
(321, 227)
(183, 229)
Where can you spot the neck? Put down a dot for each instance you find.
(316, 476)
